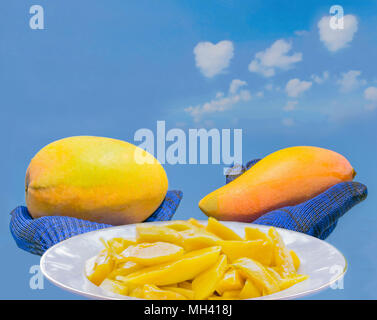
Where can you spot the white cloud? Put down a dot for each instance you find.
(290, 106)
(335, 39)
(221, 102)
(235, 85)
(296, 87)
(350, 80)
(319, 79)
(370, 94)
(211, 58)
(275, 57)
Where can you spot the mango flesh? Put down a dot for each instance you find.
(154, 293)
(220, 230)
(249, 290)
(258, 274)
(231, 281)
(259, 250)
(205, 283)
(284, 178)
(94, 178)
(186, 268)
(152, 253)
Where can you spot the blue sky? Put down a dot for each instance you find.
(111, 68)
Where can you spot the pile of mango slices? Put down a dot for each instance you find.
(185, 260)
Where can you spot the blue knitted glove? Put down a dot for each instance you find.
(317, 217)
(37, 235)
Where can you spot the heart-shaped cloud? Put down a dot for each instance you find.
(211, 58)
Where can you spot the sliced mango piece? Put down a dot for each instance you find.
(285, 283)
(259, 250)
(196, 223)
(252, 233)
(154, 293)
(221, 231)
(189, 294)
(185, 285)
(119, 244)
(215, 297)
(197, 239)
(186, 268)
(295, 259)
(205, 283)
(231, 280)
(179, 225)
(282, 257)
(257, 273)
(151, 233)
(103, 265)
(114, 286)
(231, 294)
(124, 269)
(137, 292)
(250, 290)
(152, 253)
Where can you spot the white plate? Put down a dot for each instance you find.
(64, 263)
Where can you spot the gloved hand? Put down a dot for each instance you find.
(37, 235)
(318, 216)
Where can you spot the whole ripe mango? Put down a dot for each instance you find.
(94, 178)
(284, 178)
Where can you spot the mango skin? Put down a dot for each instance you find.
(284, 178)
(94, 178)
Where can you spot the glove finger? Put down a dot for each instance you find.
(328, 231)
(37, 235)
(236, 170)
(317, 215)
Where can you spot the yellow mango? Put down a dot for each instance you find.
(259, 250)
(295, 259)
(252, 233)
(152, 292)
(231, 281)
(95, 178)
(103, 265)
(186, 268)
(153, 233)
(282, 257)
(249, 290)
(286, 177)
(197, 239)
(221, 231)
(258, 274)
(114, 286)
(125, 268)
(152, 253)
(205, 283)
(189, 294)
